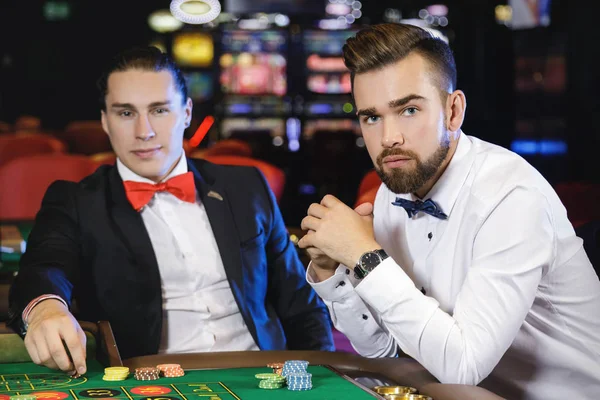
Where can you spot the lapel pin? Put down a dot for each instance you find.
(215, 195)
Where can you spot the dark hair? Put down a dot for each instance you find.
(380, 45)
(145, 59)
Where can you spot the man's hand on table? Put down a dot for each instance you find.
(51, 324)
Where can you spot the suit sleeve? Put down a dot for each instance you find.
(303, 315)
(50, 262)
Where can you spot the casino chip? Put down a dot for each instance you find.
(294, 366)
(292, 372)
(23, 397)
(171, 370)
(297, 377)
(277, 368)
(299, 381)
(115, 374)
(147, 374)
(270, 381)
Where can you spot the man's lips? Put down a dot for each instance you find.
(146, 153)
(390, 159)
(395, 161)
(146, 150)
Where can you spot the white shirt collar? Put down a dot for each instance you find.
(129, 175)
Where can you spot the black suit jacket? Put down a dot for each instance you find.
(88, 243)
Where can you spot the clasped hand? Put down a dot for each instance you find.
(337, 233)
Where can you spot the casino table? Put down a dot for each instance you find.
(214, 376)
(225, 384)
(335, 374)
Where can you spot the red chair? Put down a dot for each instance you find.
(23, 181)
(367, 197)
(229, 147)
(28, 123)
(368, 188)
(581, 199)
(274, 175)
(14, 146)
(86, 137)
(5, 127)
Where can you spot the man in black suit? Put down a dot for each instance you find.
(179, 255)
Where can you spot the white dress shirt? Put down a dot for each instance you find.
(500, 294)
(199, 311)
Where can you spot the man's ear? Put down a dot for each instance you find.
(456, 106)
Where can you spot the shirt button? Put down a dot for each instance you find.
(365, 317)
(347, 271)
(342, 283)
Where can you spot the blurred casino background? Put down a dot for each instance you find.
(270, 89)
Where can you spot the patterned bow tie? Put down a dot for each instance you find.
(181, 186)
(413, 207)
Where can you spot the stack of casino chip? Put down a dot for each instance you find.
(294, 366)
(270, 381)
(115, 373)
(23, 397)
(171, 370)
(295, 373)
(277, 368)
(299, 381)
(147, 374)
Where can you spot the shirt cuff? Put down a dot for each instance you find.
(37, 301)
(335, 288)
(387, 278)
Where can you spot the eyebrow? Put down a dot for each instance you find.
(151, 105)
(392, 104)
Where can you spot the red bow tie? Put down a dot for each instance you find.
(181, 186)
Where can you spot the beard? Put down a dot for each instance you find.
(402, 181)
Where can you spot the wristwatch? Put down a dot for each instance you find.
(368, 261)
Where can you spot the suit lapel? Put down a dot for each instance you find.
(133, 232)
(216, 202)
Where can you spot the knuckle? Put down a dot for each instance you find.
(55, 352)
(45, 359)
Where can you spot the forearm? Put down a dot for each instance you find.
(461, 348)
(351, 316)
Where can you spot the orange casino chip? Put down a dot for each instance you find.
(162, 367)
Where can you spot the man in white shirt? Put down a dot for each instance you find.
(178, 255)
(467, 261)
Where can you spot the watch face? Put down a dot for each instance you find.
(370, 260)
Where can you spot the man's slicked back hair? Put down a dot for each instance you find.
(143, 59)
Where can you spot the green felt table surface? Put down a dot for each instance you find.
(225, 384)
